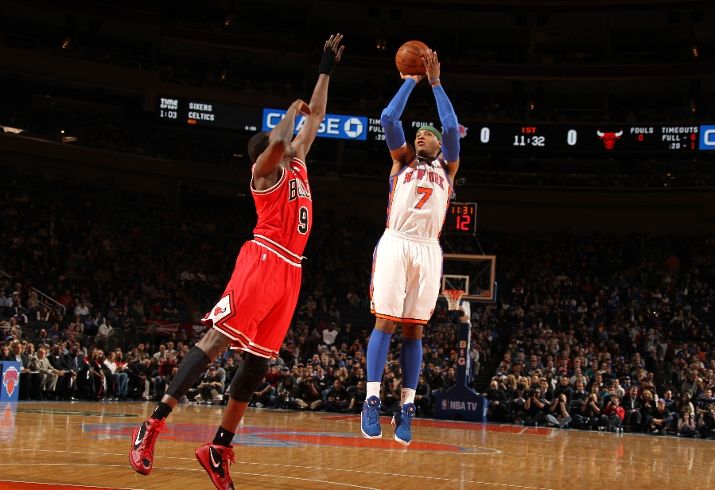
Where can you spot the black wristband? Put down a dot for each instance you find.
(327, 63)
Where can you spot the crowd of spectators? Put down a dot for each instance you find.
(594, 332)
(608, 333)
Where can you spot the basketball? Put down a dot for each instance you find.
(409, 58)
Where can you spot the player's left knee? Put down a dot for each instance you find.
(213, 343)
(412, 331)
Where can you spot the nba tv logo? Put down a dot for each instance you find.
(10, 380)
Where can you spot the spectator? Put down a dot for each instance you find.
(330, 334)
(613, 415)
(105, 332)
(5, 354)
(423, 399)
(287, 390)
(558, 415)
(48, 374)
(658, 420)
(687, 426)
(591, 410)
(358, 396)
(632, 406)
(336, 398)
(118, 377)
(210, 388)
(263, 396)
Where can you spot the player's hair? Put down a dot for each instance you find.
(257, 145)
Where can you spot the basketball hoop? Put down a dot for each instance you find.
(453, 297)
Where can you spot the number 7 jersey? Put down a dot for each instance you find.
(285, 212)
(419, 196)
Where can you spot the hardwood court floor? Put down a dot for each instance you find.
(72, 445)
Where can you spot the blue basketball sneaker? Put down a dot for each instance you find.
(402, 422)
(370, 418)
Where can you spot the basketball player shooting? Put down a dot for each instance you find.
(257, 305)
(407, 261)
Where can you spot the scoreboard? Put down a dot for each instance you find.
(528, 139)
(536, 138)
(213, 114)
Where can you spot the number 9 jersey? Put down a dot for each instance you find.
(285, 210)
(257, 305)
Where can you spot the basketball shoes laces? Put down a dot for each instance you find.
(370, 418)
(402, 422)
(141, 454)
(216, 460)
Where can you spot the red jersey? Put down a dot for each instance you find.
(285, 212)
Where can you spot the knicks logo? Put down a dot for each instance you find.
(10, 379)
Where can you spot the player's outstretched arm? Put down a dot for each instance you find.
(390, 120)
(278, 143)
(450, 125)
(332, 54)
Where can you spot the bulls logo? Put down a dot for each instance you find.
(10, 380)
(220, 311)
(609, 138)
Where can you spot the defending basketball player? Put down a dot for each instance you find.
(407, 261)
(256, 308)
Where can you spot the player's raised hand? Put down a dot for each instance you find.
(431, 62)
(416, 78)
(332, 53)
(333, 44)
(301, 107)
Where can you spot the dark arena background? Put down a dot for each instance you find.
(583, 217)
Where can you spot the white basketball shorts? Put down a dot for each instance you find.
(406, 276)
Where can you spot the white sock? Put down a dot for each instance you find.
(373, 389)
(407, 396)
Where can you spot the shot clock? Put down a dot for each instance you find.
(461, 218)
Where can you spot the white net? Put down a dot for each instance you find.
(453, 297)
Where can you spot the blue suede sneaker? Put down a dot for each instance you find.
(402, 422)
(370, 418)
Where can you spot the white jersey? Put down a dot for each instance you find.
(419, 196)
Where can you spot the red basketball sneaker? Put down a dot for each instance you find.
(217, 460)
(141, 454)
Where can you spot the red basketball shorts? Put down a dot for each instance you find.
(257, 306)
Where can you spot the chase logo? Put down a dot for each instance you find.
(333, 126)
(707, 137)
